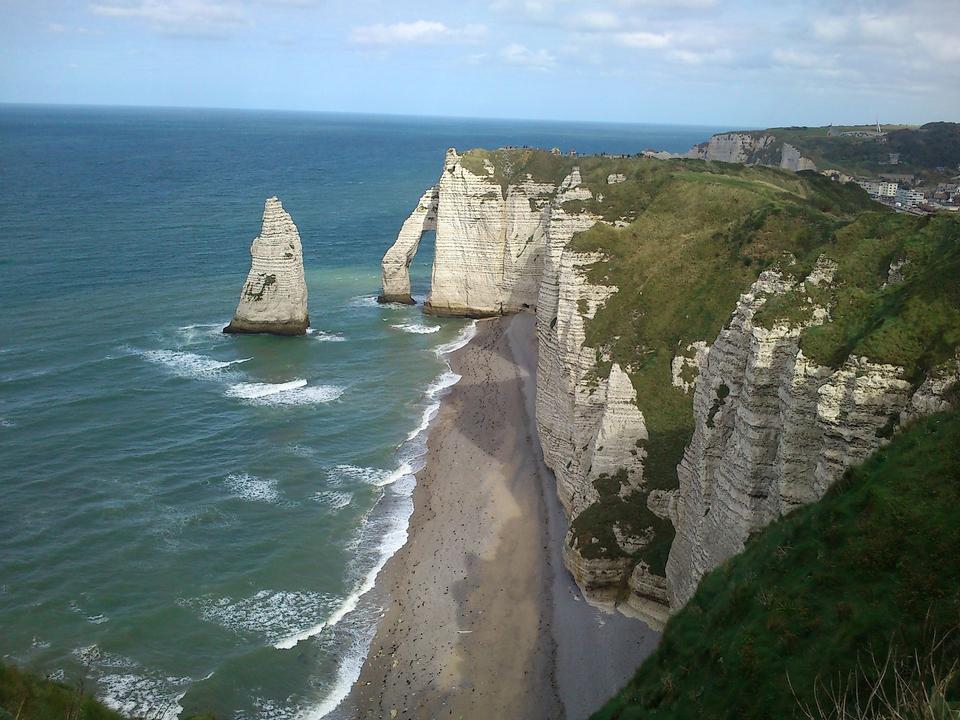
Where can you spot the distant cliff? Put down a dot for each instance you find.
(717, 344)
(752, 148)
(928, 153)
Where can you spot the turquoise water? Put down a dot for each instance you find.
(189, 520)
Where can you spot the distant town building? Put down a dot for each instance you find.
(556, 151)
(887, 189)
(894, 158)
(907, 197)
(872, 188)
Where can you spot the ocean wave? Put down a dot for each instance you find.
(190, 333)
(7, 423)
(390, 541)
(271, 614)
(295, 392)
(446, 380)
(130, 689)
(250, 487)
(334, 499)
(330, 337)
(371, 476)
(187, 364)
(417, 328)
(347, 673)
(465, 335)
(365, 301)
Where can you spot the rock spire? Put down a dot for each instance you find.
(274, 297)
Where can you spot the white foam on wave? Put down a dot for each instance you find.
(7, 423)
(250, 487)
(255, 390)
(272, 614)
(130, 689)
(294, 392)
(465, 335)
(334, 499)
(330, 337)
(391, 541)
(187, 364)
(417, 328)
(202, 330)
(365, 301)
(446, 380)
(371, 476)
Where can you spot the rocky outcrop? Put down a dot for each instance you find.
(274, 296)
(395, 266)
(775, 430)
(488, 256)
(751, 149)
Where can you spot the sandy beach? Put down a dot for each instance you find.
(481, 619)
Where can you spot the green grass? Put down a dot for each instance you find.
(873, 565)
(24, 696)
(28, 697)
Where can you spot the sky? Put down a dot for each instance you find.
(737, 63)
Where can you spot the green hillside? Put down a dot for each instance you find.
(24, 696)
(921, 149)
(872, 566)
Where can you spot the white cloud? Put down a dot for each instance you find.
(644, 40)
(597, 20)
(60, 28)
(798, 59)
(200, 17)
(418, 32)
(831, 29)
(517, 54)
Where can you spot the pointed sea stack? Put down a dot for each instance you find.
(274, 297)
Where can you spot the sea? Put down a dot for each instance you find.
(190, 521)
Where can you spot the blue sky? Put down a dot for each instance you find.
(686, 61)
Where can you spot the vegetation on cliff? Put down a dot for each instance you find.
(869, 570)
(24, 696)
(700, 234)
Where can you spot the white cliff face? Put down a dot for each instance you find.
(395, 266)
(570, 400)
(774, 431)
(490, 242)
(751, 149)
(274, 296)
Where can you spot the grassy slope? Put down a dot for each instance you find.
(876, 560)
(28, 697)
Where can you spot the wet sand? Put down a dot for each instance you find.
(481, 620)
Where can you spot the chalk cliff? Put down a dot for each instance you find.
(395, 266)
(274, 297)
(680, 428)
(774, 430)
(751, 148)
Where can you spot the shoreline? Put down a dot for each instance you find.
(480, 617)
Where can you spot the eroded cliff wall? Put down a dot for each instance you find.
(675, 428)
